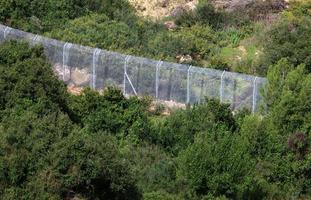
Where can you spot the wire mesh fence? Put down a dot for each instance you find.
(81, 66)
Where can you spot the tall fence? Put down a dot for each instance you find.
(81, 66)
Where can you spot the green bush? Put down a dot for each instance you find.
(112, 113)
(98, 31)
(44, 154)
(160, 196)
(178, 131)
(55, 145)
(288, 97)
(90, 165)
(20, 80)
(218, 163)
(40, 16)
(288, 39)
(204, 13)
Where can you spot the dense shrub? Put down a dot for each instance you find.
(54, 145)
(112, 113)
(204, 13)
(90, 165)
(289, 39)
(38, 15)
(218, 163)
(98, 31)
(289, 98)
(44, 154)
(20, 80)
(178, 131)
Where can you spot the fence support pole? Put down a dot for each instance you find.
(157, 78)
(125, 69)
(188, 85)
(34, 40)
(96, 53)
(222, 86)
(234, 94)
(139, 67)
(6, 32)
(66, 48)
(254, 95)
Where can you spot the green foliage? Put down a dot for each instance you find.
(154, 168)
(276, 76)
(54, 145)
(218, 163)
(288, 129)
(113, 113)
(289, 39)
(39, 16)
(98, 31)
(20, 81)
(44, 154)
(160, 196)
(91, 165)
(27, 135)
(178, 131)
(288, 96)
(203, 14)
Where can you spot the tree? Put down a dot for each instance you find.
(25, 74)
(289, 39)
(44, 154)
(178, 131)
(218, 163)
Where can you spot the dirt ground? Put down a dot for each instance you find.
(159, 9)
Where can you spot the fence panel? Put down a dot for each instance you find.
(204, 83)
(242, 93)
(172, 83)
(13, 34)
(141, 78)
(110, 70)
(259, 105)
(2, 33)
(54, 50)
(78, 65)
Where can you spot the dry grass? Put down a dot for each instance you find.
(159, 9)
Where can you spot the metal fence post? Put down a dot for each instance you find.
(66, 48)
(234, 94)
(34, 40)
(254, 94)
(188, 85)
(222, 86)
(157, 78)
(128, 78)
(6, 32)
(125, 67)
(96, 53)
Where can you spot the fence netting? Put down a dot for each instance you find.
(81, 66)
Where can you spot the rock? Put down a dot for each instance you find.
(170, 25)
(184, 59)
(58, 69)
(80, 77)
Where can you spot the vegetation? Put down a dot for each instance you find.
(55, 145)
(238, 40)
